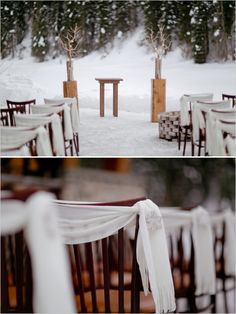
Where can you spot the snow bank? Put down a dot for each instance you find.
(131, 133)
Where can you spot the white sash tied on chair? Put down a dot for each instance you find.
(68, 132)
(43, 145)
(227, 217)
(85, 223)
(68, 125)
(72, 102)
(57, 134)
(14, 137)
(198, 221)
(219, 147)
(184, 110)
(211, 119)
(204, 252)
(230, 144)
(52, 285)
(35, 120)
(153, 258)
(197, 115)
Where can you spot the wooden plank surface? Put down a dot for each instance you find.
(158, 103)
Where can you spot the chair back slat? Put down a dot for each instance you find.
(78, 263)
(19, 270)
(121, 269)
(232, 97)
(106, 275)
(135, 288)
(90, 263)
(4, 278)
(22, 106)
(28, 284)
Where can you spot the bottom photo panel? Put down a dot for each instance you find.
(118, 235)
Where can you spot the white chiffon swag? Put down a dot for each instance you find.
(52, 285)
(84, 223)
(198, 222)
(184, 105)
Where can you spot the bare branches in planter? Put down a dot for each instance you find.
(160, 43)
(70, 42)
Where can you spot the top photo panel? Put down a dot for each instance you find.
(118, 78)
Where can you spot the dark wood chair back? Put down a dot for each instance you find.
(16, 272)
(232, 97)
(219, 236)
(99, 273)
(7, 116)
(23, 106)
(183, 273)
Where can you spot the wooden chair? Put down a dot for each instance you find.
(183, 272)
(185, 132)
(7, 116)
(181, 244)
(58, 109)
(101, 282)
(18, 279)
(73, 111)
(23, 106)
(231, 97)
(219, 247)
(16, 272)
(204, 107)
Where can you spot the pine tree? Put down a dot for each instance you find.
(183, 26)
(199, 24)
(40, 29)
(13, 25)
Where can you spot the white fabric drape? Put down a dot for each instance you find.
(68, 131)
(211, 118)
(184, 105)
(205, 262)
(85, 223)
(197, 115)
(72, 102)
(15, 137)
(198, 221)
(23, 151)
(221, 127)
(227, 216)
(36, 120)
(52, 285)
(230, 144)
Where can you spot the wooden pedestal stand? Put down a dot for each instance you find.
(158, 98)
(70, 90)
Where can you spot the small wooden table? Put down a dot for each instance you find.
(115, 82)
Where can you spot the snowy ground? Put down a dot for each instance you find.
(131, 134)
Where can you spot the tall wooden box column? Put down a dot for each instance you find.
(158, 98)
(70, 89)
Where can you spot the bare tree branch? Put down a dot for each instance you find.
(160, 42)
(70, 41)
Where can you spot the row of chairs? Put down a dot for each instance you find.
(43, 115)
(185, 131)
(105, 275)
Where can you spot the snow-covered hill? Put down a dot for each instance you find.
(22, 79)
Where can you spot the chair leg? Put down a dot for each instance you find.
(213, 302)
(76, 143)
(71, 148)
(192, 145)
(225, 296)
(192, 303)
(185, 140)
(179, 137)
(200, 146)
